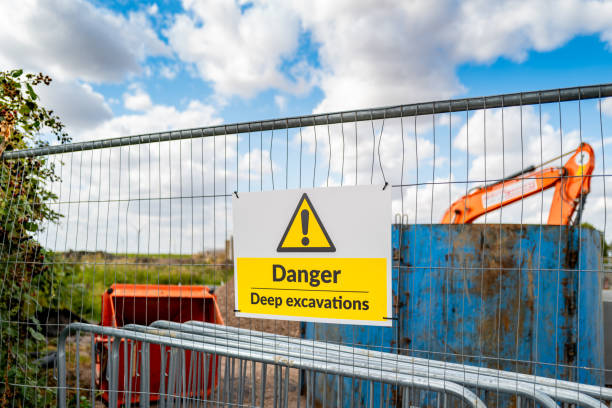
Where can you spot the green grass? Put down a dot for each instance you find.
(82, 282)
(154, 256)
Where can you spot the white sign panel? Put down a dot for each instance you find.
(319, 255)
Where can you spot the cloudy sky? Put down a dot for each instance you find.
(123, 68)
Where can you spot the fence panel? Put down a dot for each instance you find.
(508, 293)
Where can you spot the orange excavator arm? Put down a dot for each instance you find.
(572, 183)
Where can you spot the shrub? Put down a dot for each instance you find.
(25, 266)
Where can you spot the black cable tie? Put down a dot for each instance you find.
(236, 194)
(390, 318)
(386, 184)
(236, 311)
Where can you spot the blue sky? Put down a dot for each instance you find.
(123, 68)
(583, 60)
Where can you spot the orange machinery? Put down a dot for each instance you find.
(572, 183)
(124, 304)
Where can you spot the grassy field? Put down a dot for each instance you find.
(82, 278)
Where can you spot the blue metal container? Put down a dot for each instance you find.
(524, 298)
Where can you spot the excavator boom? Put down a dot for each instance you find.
(572, 183)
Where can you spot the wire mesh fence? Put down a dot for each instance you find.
(128, 231)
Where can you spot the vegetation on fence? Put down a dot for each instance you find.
(26, 267)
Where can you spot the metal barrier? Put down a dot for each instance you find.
(536, 388)
(177, 382)
(252, 347)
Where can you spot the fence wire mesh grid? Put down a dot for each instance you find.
(499, 261)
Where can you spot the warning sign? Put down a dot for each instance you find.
(305, 232)
(314, 255)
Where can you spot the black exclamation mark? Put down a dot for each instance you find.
(304, 215)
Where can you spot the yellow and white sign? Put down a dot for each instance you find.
(319, 255)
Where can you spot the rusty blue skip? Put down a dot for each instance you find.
(523, 298)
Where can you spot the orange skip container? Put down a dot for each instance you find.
(124, 304)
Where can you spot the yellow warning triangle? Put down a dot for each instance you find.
(305, 232)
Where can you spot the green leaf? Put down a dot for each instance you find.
(17, 72)
(25, 110)
(36, 335)
(31, 91)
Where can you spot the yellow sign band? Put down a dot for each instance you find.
(334, 288)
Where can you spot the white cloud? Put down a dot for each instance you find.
(485, 30)
(240, 52)
(256, 163)
(508, 148)
(141, 198)
(116, 178)
(137, 100)
(371, 53)
(77, 104)
(75, 43)
(153, 9)
(426, 203)
(353, 152)
(606, 106)
(76, 40)
(281, 102)
(377, 53)
(156, 118)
